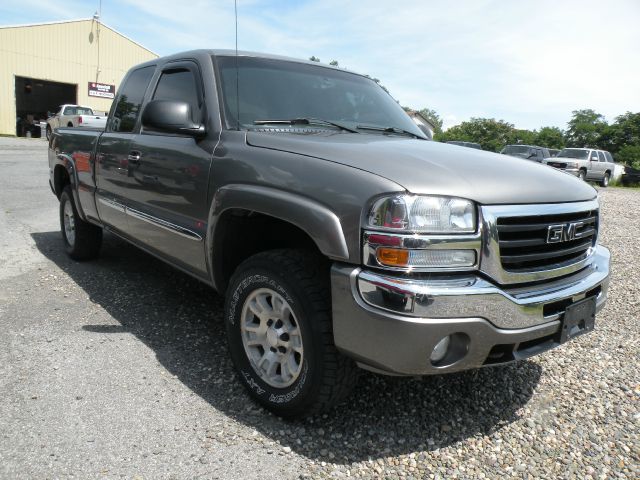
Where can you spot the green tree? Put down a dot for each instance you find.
(313, 58)
(550, 137)
(624, 131)
(490, 133)
(525, 137)
(334, 63)
(585, 128)
(630, 155)
(433, 117)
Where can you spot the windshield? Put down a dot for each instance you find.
(283, 90)
(574, 153)
(516, 150)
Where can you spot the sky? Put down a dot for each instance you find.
(529, 63)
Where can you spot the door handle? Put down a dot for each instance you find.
(134, 157)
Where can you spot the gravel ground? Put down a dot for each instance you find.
(119, 368)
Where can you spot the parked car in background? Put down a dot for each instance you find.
(585, 163)
(554, 152)
(75, 116)
(465, 144)
(630, 176)
(528, 152)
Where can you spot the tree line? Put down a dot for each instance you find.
(587, 128)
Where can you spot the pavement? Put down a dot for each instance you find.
(118, 368)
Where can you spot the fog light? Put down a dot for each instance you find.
(440, 350)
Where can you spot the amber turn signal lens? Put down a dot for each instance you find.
(393, 257)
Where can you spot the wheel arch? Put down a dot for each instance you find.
(64, 173)
(283, 220)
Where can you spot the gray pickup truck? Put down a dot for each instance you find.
(339, 236)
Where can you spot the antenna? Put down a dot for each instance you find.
(97, 17)
(235, 5)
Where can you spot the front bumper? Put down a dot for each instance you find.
(391, 324)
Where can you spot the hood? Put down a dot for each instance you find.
(427, 167)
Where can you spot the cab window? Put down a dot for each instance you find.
(179, 84)
(130, 99)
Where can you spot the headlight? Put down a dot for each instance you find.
(572, 165)
(423, 214)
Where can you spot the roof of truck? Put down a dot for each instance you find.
(244, 53)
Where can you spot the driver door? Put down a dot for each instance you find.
(168, 209)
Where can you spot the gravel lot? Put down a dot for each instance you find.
(118, 368)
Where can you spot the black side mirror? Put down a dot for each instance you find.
(171, 116)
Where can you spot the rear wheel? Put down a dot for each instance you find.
(82, 240)
(279, 329)
(605, 180)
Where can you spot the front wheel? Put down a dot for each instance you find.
(582, 175)
(82, 240)
(48, 132)
(279, 330)
(605, 180)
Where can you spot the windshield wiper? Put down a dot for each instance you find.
(397, 130)
(306, 121)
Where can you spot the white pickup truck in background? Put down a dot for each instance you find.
(75, 116)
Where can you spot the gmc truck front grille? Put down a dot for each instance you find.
(536, 242)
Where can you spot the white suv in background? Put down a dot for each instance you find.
(584, 163)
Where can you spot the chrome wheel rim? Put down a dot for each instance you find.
(69, 223)
(271, 338)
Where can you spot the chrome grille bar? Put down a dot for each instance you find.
(518, 248)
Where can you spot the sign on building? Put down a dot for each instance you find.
(102, 90)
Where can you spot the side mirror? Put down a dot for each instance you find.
(171, 116)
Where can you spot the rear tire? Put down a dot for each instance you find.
(605, 180)
(82, 240)
(280, 335)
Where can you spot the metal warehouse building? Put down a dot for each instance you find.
(43, 66)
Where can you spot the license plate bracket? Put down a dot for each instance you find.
(579, 318)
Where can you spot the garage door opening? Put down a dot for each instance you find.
(37, 99)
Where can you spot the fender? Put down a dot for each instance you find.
(320, 223)
(69, 165)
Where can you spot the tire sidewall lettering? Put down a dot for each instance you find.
(247, 374)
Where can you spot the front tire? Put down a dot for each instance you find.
(279, 330)
(82, 240)
(48, 132)
(582, 175)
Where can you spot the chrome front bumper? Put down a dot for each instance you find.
(391, 324)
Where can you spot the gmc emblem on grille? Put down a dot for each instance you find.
(564, 232)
